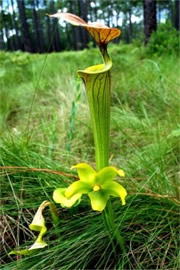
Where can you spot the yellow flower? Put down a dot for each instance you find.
(98, 185)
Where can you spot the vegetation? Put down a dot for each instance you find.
(165, 39)
(44, 125)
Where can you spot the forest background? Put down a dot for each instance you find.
(25, 26)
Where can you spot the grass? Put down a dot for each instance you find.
(40, 129)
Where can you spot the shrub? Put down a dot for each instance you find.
(164, 40)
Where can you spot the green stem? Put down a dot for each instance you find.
(105, 221)
(116, 234)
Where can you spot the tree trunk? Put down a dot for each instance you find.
(10, 28)
(91, 13)
(37, 27)
(69, 39)
(2, 45)
(83, 15)
(130, 25)
(159, 13)
(15, 25)
(48, 25)
(55, 30)
(177, 15)
(40, 28)
(24, 27)
(170, 13)
(150, 23)
(48, 35)
(75, 30)
(5, 32)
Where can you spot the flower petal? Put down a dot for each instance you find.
(78, 187)
(121, 173)
(38, 224)
(115, 189)
(38, 245)
(59, 197)
(86, 172)
(105, 175)
(69, 17)
(101, 33)
(98, 200)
